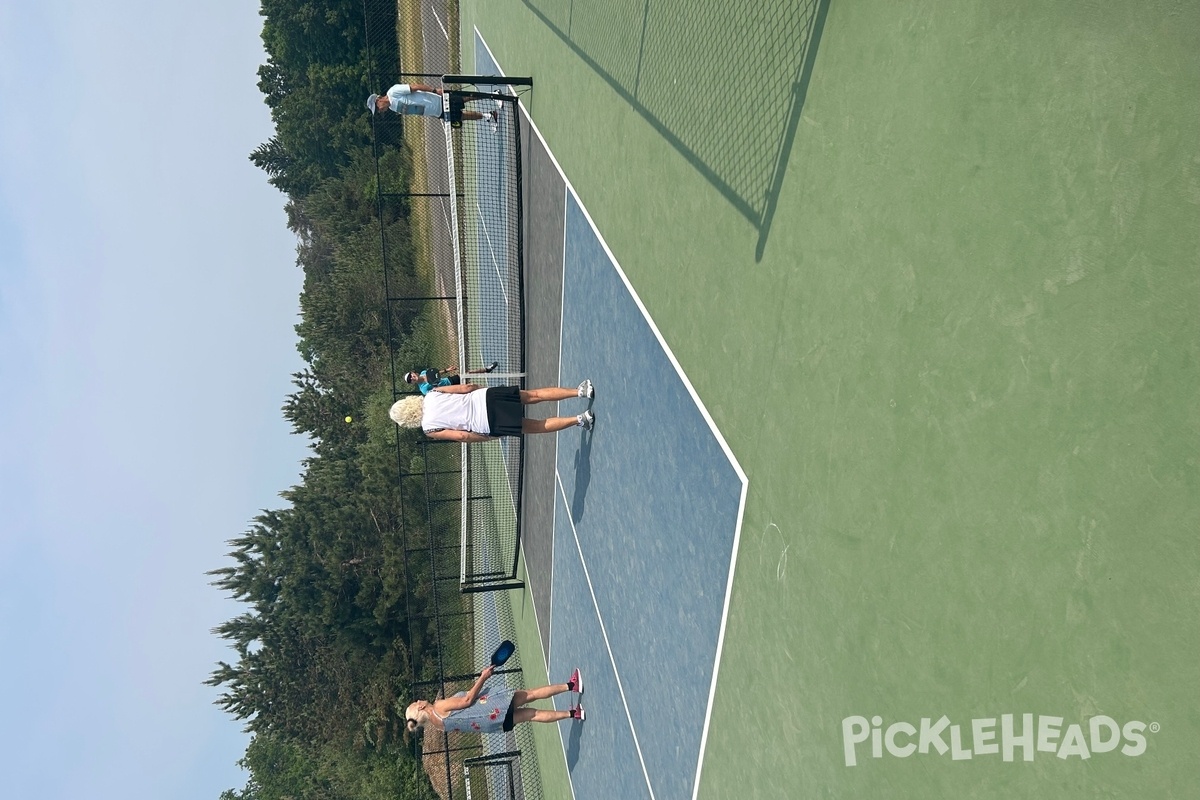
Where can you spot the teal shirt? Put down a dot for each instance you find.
(425, 385)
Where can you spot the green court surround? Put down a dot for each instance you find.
(962, 378)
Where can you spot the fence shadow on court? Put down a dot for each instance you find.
(723, 82)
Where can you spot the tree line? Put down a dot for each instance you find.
(320, 659)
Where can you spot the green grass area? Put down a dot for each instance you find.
(971, 328)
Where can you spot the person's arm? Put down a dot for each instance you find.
(422, 87)
(468, 700)
(466, 437)
(458, 388)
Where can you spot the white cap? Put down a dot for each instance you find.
(371, 102)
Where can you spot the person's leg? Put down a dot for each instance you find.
(483, 370)
(550, 425)
(523, 696)
(540, 715)
(549, 394)
(458, 104)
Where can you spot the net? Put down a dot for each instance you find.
(493, 777)
(483, 151)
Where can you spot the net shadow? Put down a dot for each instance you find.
(748, 63)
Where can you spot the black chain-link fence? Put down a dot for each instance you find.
(455, 618)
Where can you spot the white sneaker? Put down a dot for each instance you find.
(587, 390)
(586, 420)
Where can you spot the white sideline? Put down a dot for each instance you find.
(491, 252)
(604, 632)
(737, 467)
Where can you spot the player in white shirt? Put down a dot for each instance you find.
(463, 413)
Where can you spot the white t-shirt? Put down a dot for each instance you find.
(456, 412)
(403, 100)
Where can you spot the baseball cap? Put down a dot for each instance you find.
(371, 102)
(410, 377)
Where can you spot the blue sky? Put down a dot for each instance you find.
(148, 290)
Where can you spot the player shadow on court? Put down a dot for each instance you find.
(573, 740)
(728, 102)
(583, 474)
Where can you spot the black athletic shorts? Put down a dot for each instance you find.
(507, 725)
(457, 104)
(505, 413)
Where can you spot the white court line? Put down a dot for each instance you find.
(604, 633)
(737, 467)
(737, 534)
(491, 251)
(496, 61)
(439, 22)
(562, 302)
(528, 574)
(553, 539)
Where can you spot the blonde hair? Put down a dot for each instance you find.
(414, 719)
(407, 412)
